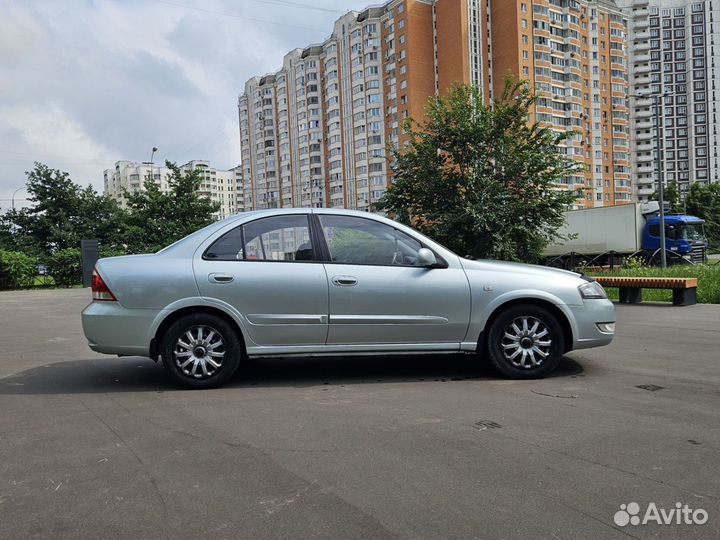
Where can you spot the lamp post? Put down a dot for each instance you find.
(657, 103)
(152, 155)
(15, 193)
(658, 100)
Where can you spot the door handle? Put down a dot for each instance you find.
(221, 278)
(344, 281)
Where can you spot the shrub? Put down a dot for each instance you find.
(634, 262)
(110, 252)
(65, 266)
(16, 269)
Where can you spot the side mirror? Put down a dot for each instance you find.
(426, 258)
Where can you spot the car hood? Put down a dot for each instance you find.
(519, 268)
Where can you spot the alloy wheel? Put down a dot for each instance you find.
(200, 352)
(526, 342)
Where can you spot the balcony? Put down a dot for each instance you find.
(645, 191)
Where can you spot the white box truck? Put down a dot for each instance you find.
(605, 235)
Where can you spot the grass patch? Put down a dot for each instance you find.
(708, 281)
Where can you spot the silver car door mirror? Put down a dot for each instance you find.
(426, 258)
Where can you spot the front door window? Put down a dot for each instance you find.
(353, 240)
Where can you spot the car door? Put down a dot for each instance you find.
(268, 269)
(380, 295)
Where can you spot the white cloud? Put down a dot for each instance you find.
(84, 83)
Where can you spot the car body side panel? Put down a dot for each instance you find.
(495, 283)
(484, 306)
(200, 302)
(281, 303)
(398, 305)
(148, 281)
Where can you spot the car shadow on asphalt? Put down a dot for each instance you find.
(143, 375)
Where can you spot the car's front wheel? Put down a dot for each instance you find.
(201, 351)
(525, 342)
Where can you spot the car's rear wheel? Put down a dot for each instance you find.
(525, 342)
(201, 351)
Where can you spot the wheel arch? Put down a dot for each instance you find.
(557, 312)
(177, 314)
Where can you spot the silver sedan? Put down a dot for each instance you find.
(318, 281)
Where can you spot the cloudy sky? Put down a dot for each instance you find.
(84, 83)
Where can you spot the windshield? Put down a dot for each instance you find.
(690, 231)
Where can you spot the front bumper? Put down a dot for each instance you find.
(586, 333)
(113, 329)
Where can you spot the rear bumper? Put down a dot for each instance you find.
(113, 329)
(587, 334)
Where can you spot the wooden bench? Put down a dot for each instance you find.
(684, 289)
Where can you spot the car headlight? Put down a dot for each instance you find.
(592, 289)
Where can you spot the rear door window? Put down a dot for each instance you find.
(277, 238)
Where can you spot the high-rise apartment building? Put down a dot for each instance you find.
(674, 51)
(316, 132)
(224, 187)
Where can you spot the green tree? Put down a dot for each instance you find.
(703, 201)
(61, 214)
(671, 195)
(157, 218)
(481, 178)
(7, 239)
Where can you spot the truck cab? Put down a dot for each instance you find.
(684, 235)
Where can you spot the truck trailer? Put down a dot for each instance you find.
(606, 235)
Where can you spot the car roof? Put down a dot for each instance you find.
(276, 211)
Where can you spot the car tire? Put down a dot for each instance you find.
(201, 351)
(525, 342)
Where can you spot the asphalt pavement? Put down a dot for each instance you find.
(427, 447)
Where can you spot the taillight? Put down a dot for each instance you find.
(100, 291)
